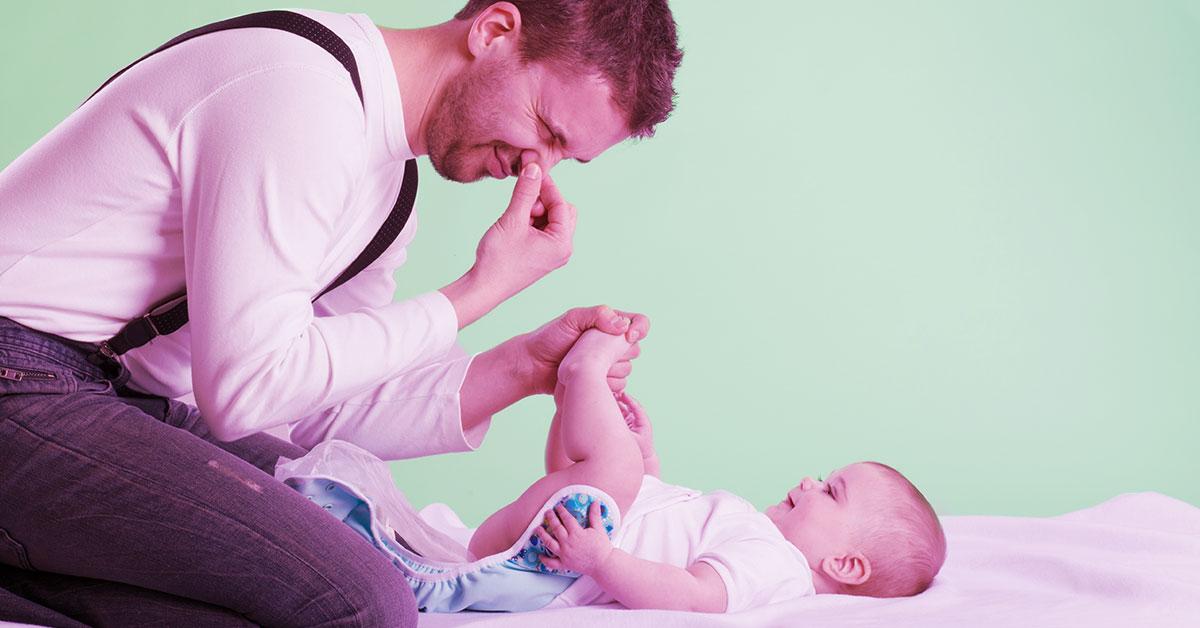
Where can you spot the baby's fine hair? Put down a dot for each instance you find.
(904, 543)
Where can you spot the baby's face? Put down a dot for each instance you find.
(819, 518)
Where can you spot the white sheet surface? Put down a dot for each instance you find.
(1133, 560)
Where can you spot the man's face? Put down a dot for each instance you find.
(499, 114)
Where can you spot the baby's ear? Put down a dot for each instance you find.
(850, 569)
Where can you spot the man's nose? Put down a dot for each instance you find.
(546, 158)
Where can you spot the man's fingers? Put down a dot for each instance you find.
(560, 219)
(609, 321)
(525, 194)
(549, 192)
(634, 351)
(601, 317)
(639, 326)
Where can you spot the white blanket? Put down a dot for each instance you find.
(1133, 560)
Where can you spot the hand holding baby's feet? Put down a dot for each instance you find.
(593, 354)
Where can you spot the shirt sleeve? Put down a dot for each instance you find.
(416, 413)
(757, 568)
(412, 414)
(264, 191)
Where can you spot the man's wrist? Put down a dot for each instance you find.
(494, 382)
(472, 296)
(522, 369)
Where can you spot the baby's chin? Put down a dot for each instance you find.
(775, 512)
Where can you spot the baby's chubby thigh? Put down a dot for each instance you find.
(595, 436)
(619, 475)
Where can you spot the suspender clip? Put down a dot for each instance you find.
(107, 350)
(150, 322)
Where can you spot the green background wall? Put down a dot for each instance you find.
(959, 237)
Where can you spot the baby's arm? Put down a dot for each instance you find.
(634, 582)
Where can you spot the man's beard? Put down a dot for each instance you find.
(465, 113)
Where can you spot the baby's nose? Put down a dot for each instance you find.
(807, 483)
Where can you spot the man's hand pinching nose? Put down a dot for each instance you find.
(519, 248)
(538, 211)
(517, 242)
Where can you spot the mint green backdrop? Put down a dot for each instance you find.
(962, 238)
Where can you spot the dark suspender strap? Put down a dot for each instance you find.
(172, 314)
(387, 234)
(295, 23)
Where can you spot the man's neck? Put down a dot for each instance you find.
(424, 58)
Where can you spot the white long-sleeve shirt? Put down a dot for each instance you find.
(241, 165)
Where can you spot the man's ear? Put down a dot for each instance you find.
(495, 28)
(849, 569)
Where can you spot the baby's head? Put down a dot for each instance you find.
(865, 530)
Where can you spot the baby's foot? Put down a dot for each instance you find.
(594, 353)
(638, 422)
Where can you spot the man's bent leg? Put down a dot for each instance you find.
(86, 602)
(261, 450)
(96, 488)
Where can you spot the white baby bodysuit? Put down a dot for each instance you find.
(679, 526)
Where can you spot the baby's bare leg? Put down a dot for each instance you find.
(556, 458)
(594, 437)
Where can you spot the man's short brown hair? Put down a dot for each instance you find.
(630, 43)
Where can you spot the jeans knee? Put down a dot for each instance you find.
(391, 603)
(375, 592)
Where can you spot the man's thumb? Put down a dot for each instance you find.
(600, 317)
(525, 194)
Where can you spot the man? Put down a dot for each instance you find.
(242, 167)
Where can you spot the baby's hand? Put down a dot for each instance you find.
(578, 549)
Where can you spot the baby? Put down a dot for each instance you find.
(864, 530)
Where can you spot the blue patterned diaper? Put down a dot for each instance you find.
(513, 580)
(577, 504)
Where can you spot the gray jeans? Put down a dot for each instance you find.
(118, 508)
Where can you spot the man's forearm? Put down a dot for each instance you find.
(472, 296)
(495, 380)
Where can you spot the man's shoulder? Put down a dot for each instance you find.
(194, 69)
